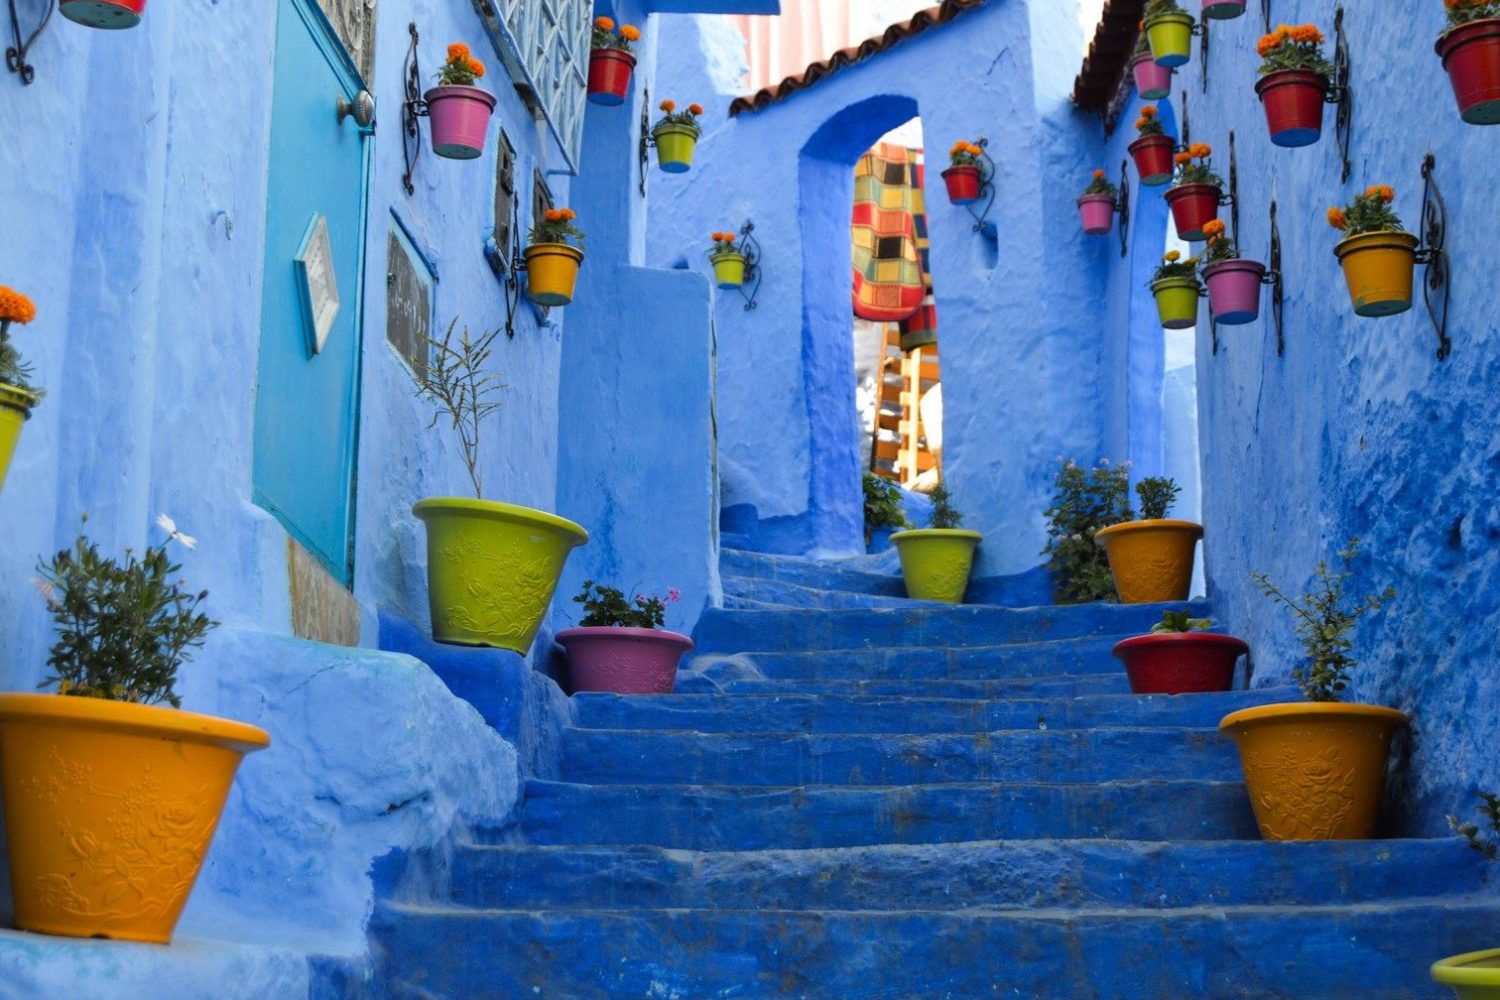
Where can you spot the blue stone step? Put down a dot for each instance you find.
(736, 603)
(1061, 686)
(1021, 659)
(1356, 952)
(743, 819)
(629, 757)
(994, 874)
(746, 590)
(854, 576)
(814, 713)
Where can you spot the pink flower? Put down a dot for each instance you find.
(673, 594)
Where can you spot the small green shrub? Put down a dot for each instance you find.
(1084, 501)
(608, 607)
(1178, 621)
(1484, 840)
(882, 504)
(944, 514)
(1157, 495)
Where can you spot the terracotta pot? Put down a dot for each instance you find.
(460, 119)
(1098, 212)
(1193, 207)
(1153, 81)
(963, 183)
(1293, 100)
(1234, 290)
(609, 76)
(619, 660)
(1153, 158)
(935, 562)
(108, 14)
(1378, 270)
(1180, 662)
(1151, 561)
(1177, 302)
(1471, 55)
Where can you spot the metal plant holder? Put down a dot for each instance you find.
(1432, 254)
(646, 139)
(754, 272)
(1341, 93)
(1274, 279)
(986, 186)
(15, 54)
(1122, 205)
(413, 107)
(509, 271)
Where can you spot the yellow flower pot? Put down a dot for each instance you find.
(1475, 976)
(552, 273)
(15, 410)
(1378, 268)
(674, 147)
(1171, 38)
(109, 810)
(1314, 770)
(729, 269)
(1151, 560)
(1176, 302)
(935, 562)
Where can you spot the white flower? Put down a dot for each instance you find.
(170, 527)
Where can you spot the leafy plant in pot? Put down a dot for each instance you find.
(460, 111)
(728, 261)
(1293, 83)
(1315, 770)
(676, 136)
(936, 561)
(621, 646)
(1152, 148)
(1175, 287)
(111, 798)
(1377, 255)
(1179, 655)
(611, 63)
(964, 177)
(18, 396)
(1475, 975)
(1153, 81)
(1097, 205)
(1195, 192)
(1084, 501)
(491, 567)
(1233, 281)
(1470, 50)
(554, 253)
(883, 511)
(1151, 559)
(1169, 30)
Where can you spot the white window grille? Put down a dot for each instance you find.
(545, 46)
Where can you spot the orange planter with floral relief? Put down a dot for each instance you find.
(1151, 560)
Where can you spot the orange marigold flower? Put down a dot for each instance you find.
(458, 52)
(1140, 123)
(1149, 111)
(1307, 34)
(668, 106)
(1213, 227)
(553, 215)
(1336, 218)
(476, 67)
(630, 32)
(604, 23)
(1202, 150)
(15, 307)
(1098, 175)
(1182, 157)
(1266, 44)
(696, 109)
(1387, 193)
(569, 214)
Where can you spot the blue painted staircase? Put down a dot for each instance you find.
(858, 797)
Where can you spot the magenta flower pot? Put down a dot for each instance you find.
(460, 120)
(1234, 290)
(107, 14)
(617, 660)
(1098, 211)
(1153, 81)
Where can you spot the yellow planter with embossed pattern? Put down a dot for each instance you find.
(15, 410)
(935, 562)
(109, 810)
(1151, 560)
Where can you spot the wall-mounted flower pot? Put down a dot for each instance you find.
(674, 147)
(935, 562)
(1153, 81)
(1153, 158)
(1098, 212)
(1471, 55)
(15, 410)
(460, 120)
(1171, 38)
(1176, 302)
(619, 660)
(109, 810)
(108, 14)
(552, 273)
(609, 76)
(1378, 269)
(492, 568)
(1475, 976)
(1151, 560)
(1223, 10)
(1234, 290)
(1293, 100)
(1180, 662)
(729, 269)
(1193, 207)
(963, 184)
(1314, 770)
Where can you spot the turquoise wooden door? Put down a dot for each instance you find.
(307, 391)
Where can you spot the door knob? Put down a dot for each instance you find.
(362, 109)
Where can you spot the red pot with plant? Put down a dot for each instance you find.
(965, 174)
(108, 14)
(1293, 84)
(1195, 192)
(1097, 205)
(611, 63)
(620, 647)
(1470, 50)
(1152, 149)
(1179, 656)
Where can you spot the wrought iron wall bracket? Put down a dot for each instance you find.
(1185, 131)
(15, 54)
(1341, 93)
(1265, 13)
(1273, 278)
(509, 272)
(1433, 256)
(646, 140)
(754, 272)
(1233, 198)
(413, 107)
(1201, 30)
(986, 186)
(1122, 204)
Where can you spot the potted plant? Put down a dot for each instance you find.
(676, 136)
(1315, 770)
(111, 798)
(491, 567)
(965, 174)
(1153, 81)
(611, 62)
(935, 561)
(1474, 976)
(1377, 254)
(620, 646)
(17, 395)
(554, 252)
(1470, 50)
(1176, 288)
(1152, 148)
(728, 262)
(1195, 192)
(1223, 10)
(1083, 501)
(1233, 281)
(1169, 30)
(107, 14)
(1151, 559)
(1097, 205)
(460, 111)
(883, 512)
(1179, 656)
(1293, 83)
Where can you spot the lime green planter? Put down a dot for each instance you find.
(15, 410)
(674, 147)
(492, 568)
(1176, 302)
(935, 562)
(729, 269)
(1475, 976)
(1171, 38)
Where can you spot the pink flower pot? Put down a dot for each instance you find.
(109, 14)
(460, 120)
(1098, 211)
(623, 660)
(1234, 290)
(1152, 80)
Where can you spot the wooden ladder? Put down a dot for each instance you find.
(898, 449)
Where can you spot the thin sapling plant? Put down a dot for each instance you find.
(1157, 495)
(456, 382)
(1083, 501)
(1485, 839)
(944, 514)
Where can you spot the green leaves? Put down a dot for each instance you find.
(455, 382)
(1084, 501)
(1484, 841)
(1158, 494)
(882, 504)
(944, 514)
(607, 607)
(1178, 621)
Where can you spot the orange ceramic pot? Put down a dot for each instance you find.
(1378, 270)
(1151, 560)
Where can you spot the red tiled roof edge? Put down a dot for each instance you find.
(1109, 54)
(920, 22)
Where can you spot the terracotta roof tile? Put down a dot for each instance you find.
(920, 22)
(1109, 54)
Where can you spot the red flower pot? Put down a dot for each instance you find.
(104, 13)
(1098, 213)
(1153, 158)
(1180, 662)
(1193, 207)
(621, 660)
(1471, 55)
(963, 184)
(1152, 80)
(1293, 99)
(609, 76)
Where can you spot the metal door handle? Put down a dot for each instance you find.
(361, 109)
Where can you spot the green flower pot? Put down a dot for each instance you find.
(15, 409)
(935, 562)
(1171, 38)
(1475, 976)
(1177, 302)
(492, 569)
(674, 147)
